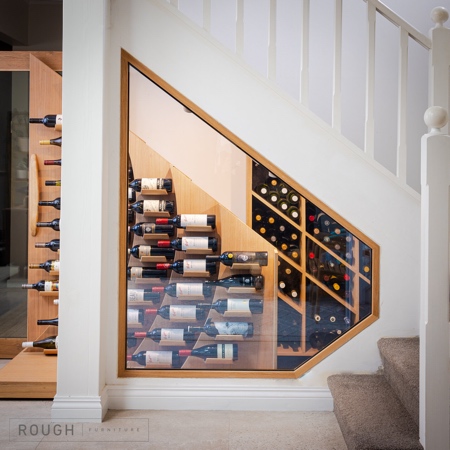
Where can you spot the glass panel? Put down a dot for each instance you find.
(13, 203)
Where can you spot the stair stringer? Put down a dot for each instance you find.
(295, 141)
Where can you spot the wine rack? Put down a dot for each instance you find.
(254, 353)
(325, 285)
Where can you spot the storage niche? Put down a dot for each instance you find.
(265, 282)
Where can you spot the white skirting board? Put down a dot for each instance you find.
(93, 409)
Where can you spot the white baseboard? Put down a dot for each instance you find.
(80, 409)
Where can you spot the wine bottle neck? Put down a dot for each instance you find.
(184, 352)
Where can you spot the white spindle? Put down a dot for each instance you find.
(370, 81)
(272, 50)
(402, 105)
(337, 68)
(207, 15)
(304, 57)
(240, 28)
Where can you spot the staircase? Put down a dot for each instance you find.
(381, 411)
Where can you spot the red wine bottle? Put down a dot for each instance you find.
(53, 245)
(165, 334)
(56, 203)
(144, 206)
(138, 251)
(239, 257)
(53, 322)
(131, 195)
(52, 265)
(151, 184)
(143, 295)
(145, 272)
(151, 358)
(190, 243)
(50, 342)
(185, 266)
(213, 329)
(171, 312)
(219, 351)
(43, 286)
(255, 306)
(189, 220)
(187, 289)
(50, 120)
(245, 280)
(53, 182)
(55, 223)
(142, 228)
(57, 141)
(52, 162)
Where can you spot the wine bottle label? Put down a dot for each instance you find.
(232, 328)
(225, 351)
(55, 266)
(145, 250)
(189, 220)
(155, 357)
(136, 272)
(182, 312)
(152, 183)
(189, 289)
(194, 265)
(132, 316)
(58, 122)
(148, 228)
(154, 205)
(130, 193)
(194, 242)
(171, 334)
(50, 286)
(135, 295)
(239, 304)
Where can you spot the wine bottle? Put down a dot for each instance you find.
(53, 245)
(143, 295)
(56, 203)
(152, 206)
(282, 189)
(151, 228)
(219, 351)
(53, 182)
(293, 198)
(55, 223)
(52, 162)
(262, 190)
(293, 212)
(245, 280)
(273, 197)
(244, 329)
(138, 251)
(52, 265)
(165, 334)
(239, 257)
(151, 184)
(131, 195)
(253, 305)
(185, 266)
(53, 322)
(189, 220)
(283, 205)
(145, 272)
(50, 120)
(57, 141)
(50, 342)
(188, 289)
(190, 243)
(174, 312)
(130, 171)
(150, 358)
(131, 216)
(43, 286)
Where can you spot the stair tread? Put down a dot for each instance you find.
(371, 415)
(400, 358)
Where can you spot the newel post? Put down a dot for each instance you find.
(434, 315)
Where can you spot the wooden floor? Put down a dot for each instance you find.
(29, 375)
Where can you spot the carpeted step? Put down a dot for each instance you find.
(400, 358)
(370, 414)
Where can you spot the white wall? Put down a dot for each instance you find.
(290, 137)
